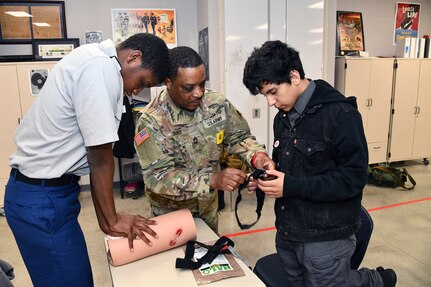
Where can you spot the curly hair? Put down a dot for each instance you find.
(155, 53)
(182, 57)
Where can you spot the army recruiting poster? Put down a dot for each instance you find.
(406, 21)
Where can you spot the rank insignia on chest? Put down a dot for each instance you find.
(141, 136)
(220, 137)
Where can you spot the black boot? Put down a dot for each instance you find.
(389, 276)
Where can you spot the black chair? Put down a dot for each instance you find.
(269, 268)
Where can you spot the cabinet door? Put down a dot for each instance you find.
(31, 77)
(403, 121)
(380, 100)
(422, 138)
(10, 115)
(357, 83)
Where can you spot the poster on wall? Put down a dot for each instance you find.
(406, 21)
(350, 33)
(203, 49)
(159, 22)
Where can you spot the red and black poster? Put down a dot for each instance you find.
(406, 21)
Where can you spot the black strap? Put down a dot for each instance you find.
(260, 196)
(215, 250)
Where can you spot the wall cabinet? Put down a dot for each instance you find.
(410, 137)
(17, 96)
(370, 81)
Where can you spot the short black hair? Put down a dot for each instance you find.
(182, 57)
(155, 53)
(271, 64)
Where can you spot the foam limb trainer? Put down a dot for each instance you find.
(174, 230)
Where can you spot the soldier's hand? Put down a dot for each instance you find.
(263, 161)
(228, 179)
(131, 226)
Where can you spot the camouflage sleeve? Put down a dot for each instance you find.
(238, 138)
(161, 175)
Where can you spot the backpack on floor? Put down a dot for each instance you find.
(390, 177)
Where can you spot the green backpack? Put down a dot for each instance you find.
(390, 177)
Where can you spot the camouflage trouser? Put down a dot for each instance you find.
(205, 208)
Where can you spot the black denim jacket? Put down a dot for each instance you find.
(324, 157)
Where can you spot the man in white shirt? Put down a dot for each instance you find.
(67, 133)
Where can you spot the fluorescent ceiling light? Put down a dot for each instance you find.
(18, 14)
(41, 24)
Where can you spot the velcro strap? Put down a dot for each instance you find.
(215, 250)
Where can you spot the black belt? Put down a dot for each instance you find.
(65, 179)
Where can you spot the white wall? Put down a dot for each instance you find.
(86, 15)
(378, 18)
(95, 15)
(268, 20)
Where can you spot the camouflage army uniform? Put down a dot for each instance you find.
(180, 150)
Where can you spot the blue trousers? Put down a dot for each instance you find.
(44, 222)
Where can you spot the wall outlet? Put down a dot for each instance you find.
(255, 113)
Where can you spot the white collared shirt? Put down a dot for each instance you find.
(79, 106)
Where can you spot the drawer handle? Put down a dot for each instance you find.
(376, 147)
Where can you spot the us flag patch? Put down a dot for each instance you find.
(141, 136)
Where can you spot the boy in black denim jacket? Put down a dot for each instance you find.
(321, 155)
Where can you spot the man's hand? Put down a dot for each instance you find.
(272, 188)
(101, 162)
(131, 226)
(263, 161)
(228, 179)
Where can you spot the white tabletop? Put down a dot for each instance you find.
(159, 269)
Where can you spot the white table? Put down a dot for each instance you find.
(159, 269)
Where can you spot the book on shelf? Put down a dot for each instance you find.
(427, 51)
(403, 48)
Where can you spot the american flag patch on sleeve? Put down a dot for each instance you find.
(141, 136)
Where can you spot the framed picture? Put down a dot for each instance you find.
(24, 21)
(203, 49)
(93, 37)
(159, 22)
(407, 17)
(53, 49)
(350, 33)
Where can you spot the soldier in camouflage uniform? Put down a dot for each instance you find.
(180, 136)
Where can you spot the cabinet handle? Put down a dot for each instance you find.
(419, 110)
(371, 102)
(19, 121)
